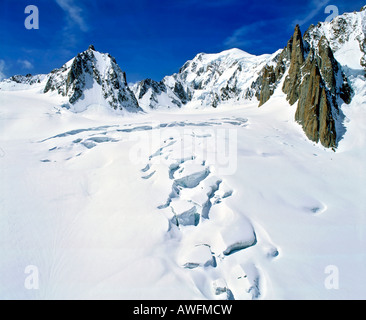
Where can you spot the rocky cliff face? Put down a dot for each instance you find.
(323, 88)
(315, 81)
(295, 49)
(315, 108)
(271, 75)
(92, 77)
(316, 84)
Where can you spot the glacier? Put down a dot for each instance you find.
(168, 192)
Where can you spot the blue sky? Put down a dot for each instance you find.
(149, 38)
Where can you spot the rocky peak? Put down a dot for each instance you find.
(322, 84)
(315, 81)
(297, 50)
(293, 79)
(93, 77)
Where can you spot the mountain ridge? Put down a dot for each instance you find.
(316, 65)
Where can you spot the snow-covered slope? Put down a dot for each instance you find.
(227, 203)
(196, 202)
(20, 82)
(206, 81)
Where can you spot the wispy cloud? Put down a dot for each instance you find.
(2, 67)
(25, 64)
(245, 35)
(74, 14)
(314, 8)
(256, 37)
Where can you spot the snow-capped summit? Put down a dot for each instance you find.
(92, 78)
(206, 80)
(211, 79)
(346, 36)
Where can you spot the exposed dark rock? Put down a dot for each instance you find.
(268, 84)
(331, 72)
(315, 80)
(314, 109)
(145, 85)
(27, 79)
(270, 76)
(292, 82)
(229, 92)
(182, 94)
(323, 83)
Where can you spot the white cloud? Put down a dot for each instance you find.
(25, 64)
(74, 14)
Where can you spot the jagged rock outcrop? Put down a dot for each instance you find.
(315, 80)
(271, 76)
(145, 85)
(292, 82)
(331, 71)
(322, 84)
(314, 109)
(93, 77)
(305, 84)
(183, 94)
(268, 84)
